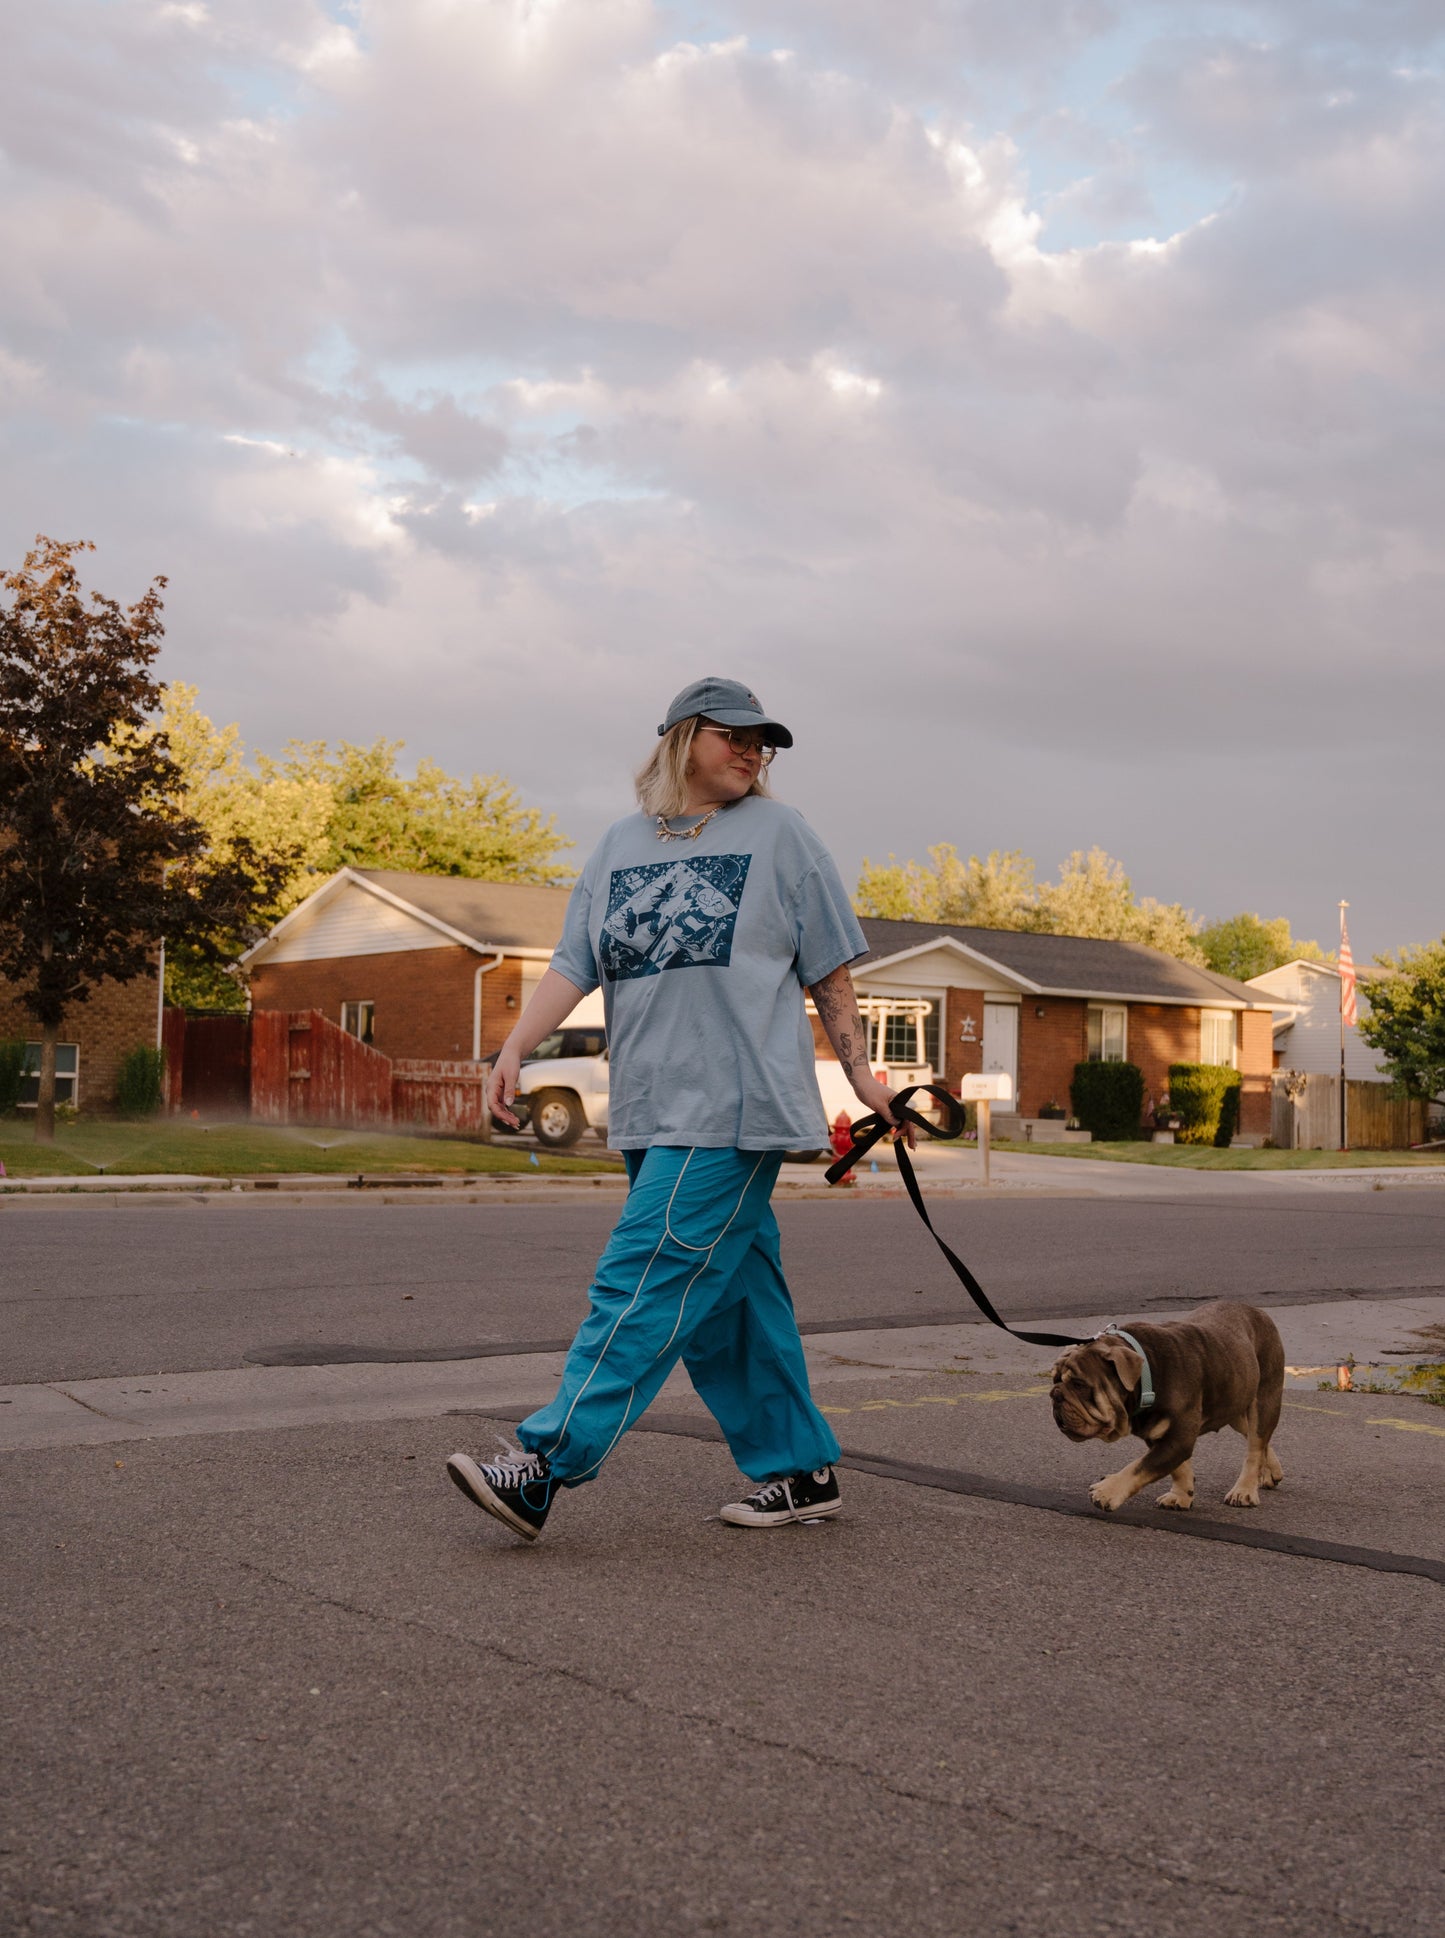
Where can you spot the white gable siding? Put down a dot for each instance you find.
(926, 974)
(1312, 1043)
(354, 923)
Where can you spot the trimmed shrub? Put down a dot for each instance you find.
(140, 1086)
(1228, 1116)
(1108, 1099)
(1198, 1096)
(12, 1074)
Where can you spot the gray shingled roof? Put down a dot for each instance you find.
(1078, 964)
(500, 915)
(496, 915)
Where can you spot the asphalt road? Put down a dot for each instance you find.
(286, 1685)
(176, 1285)
(281, 1681)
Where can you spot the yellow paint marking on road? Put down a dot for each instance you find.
(937, 1399)
(1303, 1406)
(1407, 1426)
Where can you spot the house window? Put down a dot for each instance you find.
(357, 1019)
(1108, 1034)
(67, 1075)
(903, 1035)
(1217, 1036)
(900, 1038)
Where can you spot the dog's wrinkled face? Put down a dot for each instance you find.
(1091, 1388)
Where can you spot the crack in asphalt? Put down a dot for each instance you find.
(991, 1807)
(988, 1487)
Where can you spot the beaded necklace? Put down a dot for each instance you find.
(665, 833)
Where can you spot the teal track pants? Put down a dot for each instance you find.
(692, 1271)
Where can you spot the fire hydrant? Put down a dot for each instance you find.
(841, 1139)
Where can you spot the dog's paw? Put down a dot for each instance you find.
(1111, 1492)
(1242, 1497)
(1175, 1499)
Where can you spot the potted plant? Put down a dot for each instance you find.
(1053, 1108)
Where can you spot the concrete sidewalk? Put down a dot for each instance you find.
(945, 1170)
(1382, 1334)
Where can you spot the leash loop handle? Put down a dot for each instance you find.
(867, 1132)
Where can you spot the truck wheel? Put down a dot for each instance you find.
(557, 1118)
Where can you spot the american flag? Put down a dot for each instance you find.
(1347, 977)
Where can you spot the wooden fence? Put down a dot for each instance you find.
(1306, 1115)
(305, 1069)
(215, 1065)
(298, 1067)
(173, 1049)
(438, 1094)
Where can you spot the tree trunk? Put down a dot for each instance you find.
(45, 1103)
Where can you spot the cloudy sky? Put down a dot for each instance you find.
(1038, 401)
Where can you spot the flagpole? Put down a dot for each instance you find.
(1343, 1145)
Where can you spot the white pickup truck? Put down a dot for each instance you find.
(562, 1091)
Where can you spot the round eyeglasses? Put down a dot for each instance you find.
(743, 740)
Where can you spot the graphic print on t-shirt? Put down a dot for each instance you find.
(671, 915)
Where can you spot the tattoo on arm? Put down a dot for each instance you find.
(837, 1006)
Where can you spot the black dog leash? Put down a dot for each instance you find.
(870, 1129)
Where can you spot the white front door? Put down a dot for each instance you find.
(1001, 1042)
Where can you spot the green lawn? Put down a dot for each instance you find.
(92, 1145)
(1204, 1157)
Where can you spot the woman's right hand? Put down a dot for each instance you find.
(502, 1085)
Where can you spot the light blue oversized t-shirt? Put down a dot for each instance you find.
(703, 950)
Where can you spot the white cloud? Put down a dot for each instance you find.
(479, 372)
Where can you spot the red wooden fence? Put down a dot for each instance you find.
(173, 1048)
(305, 1069)
(439, 1094)
(215, 1066)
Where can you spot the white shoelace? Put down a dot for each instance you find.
(776, 1490)
(512, 1466)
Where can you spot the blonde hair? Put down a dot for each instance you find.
(661, 781)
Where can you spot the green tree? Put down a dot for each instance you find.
(1245, 945)
(98, 857)
(1092, 896)
(995, 893)
(269, 814)
(1406, 1021)
(312, 811)
(432, 824)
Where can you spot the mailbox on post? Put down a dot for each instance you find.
(985, 1090)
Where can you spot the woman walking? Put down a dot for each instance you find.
(704, 917)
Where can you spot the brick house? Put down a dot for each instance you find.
(436, 966)
(1035, 1005)
(418, 965)
(94, 1038)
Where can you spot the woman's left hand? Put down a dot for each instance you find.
(876, 1096)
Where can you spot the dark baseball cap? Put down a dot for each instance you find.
(728, 702)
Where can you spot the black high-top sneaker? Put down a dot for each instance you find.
(516, 1488)
(792, 1497)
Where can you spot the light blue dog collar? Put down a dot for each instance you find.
(1146, 1380)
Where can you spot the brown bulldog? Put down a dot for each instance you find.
(1219, 1366)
